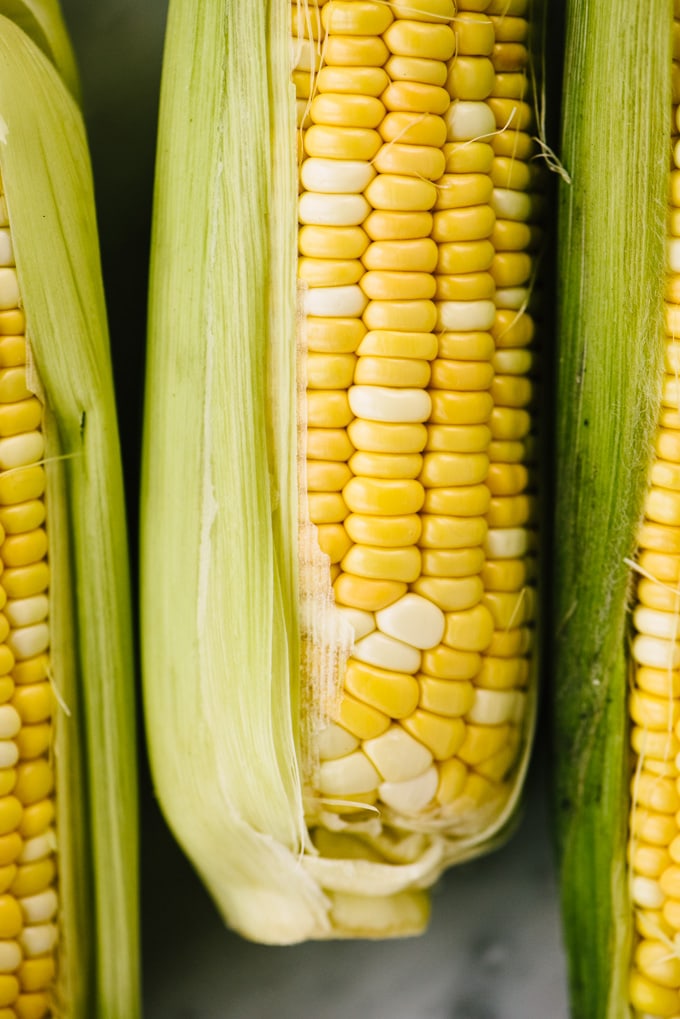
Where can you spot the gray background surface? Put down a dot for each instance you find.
(493, 949)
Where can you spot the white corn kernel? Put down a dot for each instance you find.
(646, 893)
(346, 775)
(412, 796)
(336, 176)
(10, 956)
(466, 120)
(506, 542)
(9, 753)
(10, 721)
(38, 847)
(27, 641)
(39, 908)
(334, 741)
(332, 210)
(387, 653)
(381, 403)
(657, 653)
(493, 707)
(6, 249)
(512, 297)
(9, 288)
(397, 755)
(335, 302)
(673, 254)
(508, 204)
(38, 939)
(655, 623)
(25, 611)
(361, 622)
(414, 620)
(20, 450)
(463, 316)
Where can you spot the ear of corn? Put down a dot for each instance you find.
(338, 513)
(616, 145)
(53, 309)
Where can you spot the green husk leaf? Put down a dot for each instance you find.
(43, 22)
(211, 506)
(48, 187)
(616, 123)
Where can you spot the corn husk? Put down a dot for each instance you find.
(48, 188)
(227, 601)
(42, 21)
(615, 148)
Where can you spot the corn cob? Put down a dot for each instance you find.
(653, 853)
(68, 939)
(616, 516)
(355, 530)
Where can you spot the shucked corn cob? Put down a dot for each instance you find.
(654, 831)
(654, 838)
(617, 551)
(68, 940)
(338, 586)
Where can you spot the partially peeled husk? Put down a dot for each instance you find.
(242, 647)
(48, 190)
(611, 263)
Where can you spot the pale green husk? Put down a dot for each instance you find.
(43, 22)
(48, 186)
(616, 147)
(227, 713)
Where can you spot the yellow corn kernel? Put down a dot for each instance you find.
(465, 287)
(383, 563)
(449, 663)
(368, 80)
(649, 997)
(393, 693)
(327, 475)
(482, 742)
(22, 516)
(445, 697)
(35, 781)
(35, 974)
(651, 861)
(346, 110)
(431, 10)
(474, 34)
(8, 777)
(385, 532)
(31, 671)
(458, 438)
(34, 702)
(470, 630)
(32, 1006)
(470, 77)
(658, 829)
(33, 740)
(440, 592)
(360, 719)
(442, 736)
(452, 778)
(11, 921)
(32, 878)
(367, 594)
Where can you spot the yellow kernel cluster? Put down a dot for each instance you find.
(654, 844)
(415, 242)
(28, 896)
